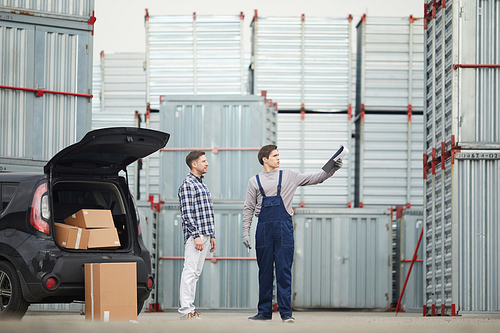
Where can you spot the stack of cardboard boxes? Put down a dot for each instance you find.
(88, 229)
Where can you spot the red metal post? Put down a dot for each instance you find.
(40, 92)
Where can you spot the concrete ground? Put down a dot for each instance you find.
(232, 321)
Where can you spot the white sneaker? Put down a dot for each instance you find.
(192, 315)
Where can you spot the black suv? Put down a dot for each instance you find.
(34, 268)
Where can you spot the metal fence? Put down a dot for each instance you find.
(306, 142)
(302, 61)
(122, 90)
(390, 62)
(194, 55)
(389, 151)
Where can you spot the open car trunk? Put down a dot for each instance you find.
(81, 176)
(70, 196)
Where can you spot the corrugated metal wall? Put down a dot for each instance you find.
(461, 161)
(306, 144)
(342, 259)
(191, 55)
(390, 167)
(15, 116)
(390, 63)
(231, 129)
(302, 61)
(51, 54)
(478, 197)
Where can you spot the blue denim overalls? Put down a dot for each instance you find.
(274, 243)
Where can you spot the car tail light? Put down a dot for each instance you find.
(51, 283)
(40, 209)
(150, 283)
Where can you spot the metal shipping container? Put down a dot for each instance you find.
(231, 129)
(230, 275)
(306, 142)
(390, 64)
(389, 169)
(68, 10)
(194, 55)
(302, 61)
(462, 146)
(342, 258)
(477, 214)
(45, 81)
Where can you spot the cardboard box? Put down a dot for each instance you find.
(103, 238)
(111, 292)
(71, 237)
(91, 219)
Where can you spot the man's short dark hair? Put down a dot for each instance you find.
(193, 156)
(265, 151)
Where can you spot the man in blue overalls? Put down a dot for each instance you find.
(269, 197)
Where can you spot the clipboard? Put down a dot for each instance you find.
(340, 153)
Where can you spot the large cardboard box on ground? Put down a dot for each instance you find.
(71, 237)
(111, 292)
(91, 219)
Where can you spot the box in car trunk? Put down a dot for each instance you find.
(91, 219)
(71, 237)
(95, 206)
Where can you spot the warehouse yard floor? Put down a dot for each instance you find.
(232, 321)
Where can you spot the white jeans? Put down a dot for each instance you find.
(193, 265)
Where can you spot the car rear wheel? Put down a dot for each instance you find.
(12, 303)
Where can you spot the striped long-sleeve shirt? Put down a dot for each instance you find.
(197, 209)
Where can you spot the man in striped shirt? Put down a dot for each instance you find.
(197, 212)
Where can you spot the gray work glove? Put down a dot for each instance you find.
(338, 164)
(246, 242)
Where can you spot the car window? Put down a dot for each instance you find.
(75, 197)
(8, 191)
